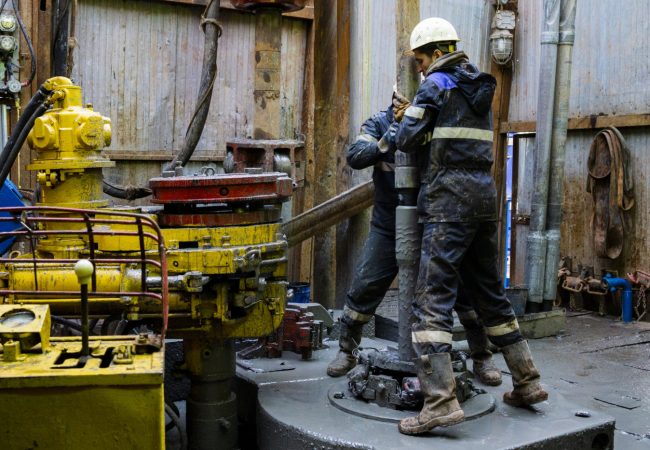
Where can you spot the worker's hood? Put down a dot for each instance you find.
(476, 86)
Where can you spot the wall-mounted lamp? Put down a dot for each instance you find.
(501, 39)
(501, 46)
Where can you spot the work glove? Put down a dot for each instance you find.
(400, 103)
(387, 142)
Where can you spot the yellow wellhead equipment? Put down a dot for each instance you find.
(209, 259)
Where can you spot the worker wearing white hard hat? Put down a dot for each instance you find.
(449, 123)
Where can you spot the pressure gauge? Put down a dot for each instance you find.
(17, 318)
(7, 23)
(14, 86)
(7, 44)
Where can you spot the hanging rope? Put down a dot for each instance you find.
(611, 186)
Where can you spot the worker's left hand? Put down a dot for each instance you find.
(387, 142)
(400, 104)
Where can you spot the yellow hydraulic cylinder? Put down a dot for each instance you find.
(69, 139)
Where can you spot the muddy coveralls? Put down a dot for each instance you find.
(457, 206)
(377, 266)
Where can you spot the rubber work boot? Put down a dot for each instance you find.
(348, 342)
(441, 407)
(525, 376)
(483, 364)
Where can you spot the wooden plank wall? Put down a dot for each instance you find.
(139, 63)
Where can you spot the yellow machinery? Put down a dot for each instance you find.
(208, 264)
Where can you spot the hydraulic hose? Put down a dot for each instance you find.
(37, 100)
(212, 31)
(19, 141)
(125, 192)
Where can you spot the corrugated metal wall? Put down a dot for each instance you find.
(140, 63)
(611, 69)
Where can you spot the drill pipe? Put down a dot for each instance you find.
(329, 213)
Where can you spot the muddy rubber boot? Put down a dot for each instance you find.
(348, 342)
(483, 364)
(441, 408)
(525, 376)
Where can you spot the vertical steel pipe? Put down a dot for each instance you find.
(536, 243)
(558, 147)
(407, 232)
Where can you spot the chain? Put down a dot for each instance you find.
(640, 306)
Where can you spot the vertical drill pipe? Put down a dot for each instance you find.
(211, 406)
(558, 147)
(85, 313)
(407, 232)
(536, 243)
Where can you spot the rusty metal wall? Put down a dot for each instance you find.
(140, 63)
(611, 66)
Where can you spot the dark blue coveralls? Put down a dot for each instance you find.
(377, 267)
(451, 116)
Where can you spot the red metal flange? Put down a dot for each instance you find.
(223, 188)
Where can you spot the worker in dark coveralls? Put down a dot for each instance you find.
(451, 115)
(375, 146)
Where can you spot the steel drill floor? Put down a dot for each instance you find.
(294, 412)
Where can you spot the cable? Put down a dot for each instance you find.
(28, 40)
(178, 423)
(208, 77)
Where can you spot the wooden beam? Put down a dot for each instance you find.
(329, 58)
(156, 156)
(500, 111)
(301, 256)
(307, 13)
(583, 123)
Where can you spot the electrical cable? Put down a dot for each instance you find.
(29, 43)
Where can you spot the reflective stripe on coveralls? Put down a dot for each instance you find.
(505, 328)
(431, 337)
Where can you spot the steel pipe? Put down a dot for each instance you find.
(536, 243)
(331, 212)
(558, 148)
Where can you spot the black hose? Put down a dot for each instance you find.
(37, 100)
(212, 32)
(125, 192)
(60, 44)
(20, 140)
(72, 324)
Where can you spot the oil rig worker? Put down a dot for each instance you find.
(451, 114)
(375, 146)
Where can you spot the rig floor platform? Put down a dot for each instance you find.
(296, 411)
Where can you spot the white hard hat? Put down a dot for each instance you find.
(433, 29)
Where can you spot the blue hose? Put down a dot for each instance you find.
(614, 283)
